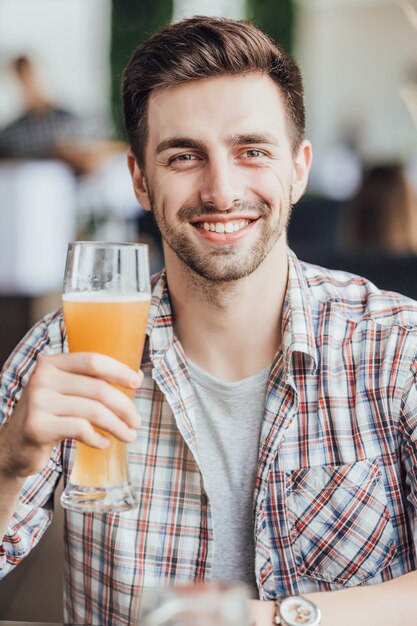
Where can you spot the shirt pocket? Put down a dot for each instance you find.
(339, 522)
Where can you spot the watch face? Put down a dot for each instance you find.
(297, 610)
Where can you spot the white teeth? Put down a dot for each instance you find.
(224, 227)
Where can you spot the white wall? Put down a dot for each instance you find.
(233, 9)
(355, 55)
(70, 38)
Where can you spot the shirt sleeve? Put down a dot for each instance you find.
(408, 433)
(34, 510)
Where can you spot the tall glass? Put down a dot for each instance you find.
(198, 604)
(106, 304)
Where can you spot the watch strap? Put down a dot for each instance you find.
(277, 619)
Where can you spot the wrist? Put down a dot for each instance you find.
(11, 484)
(296, 610)
(261, 612)
(10, 478)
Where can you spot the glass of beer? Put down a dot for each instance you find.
(106, 303)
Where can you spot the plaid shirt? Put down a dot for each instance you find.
(335, 502)
(38, 134)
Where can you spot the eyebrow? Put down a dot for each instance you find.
(233, 140)
(179, 142)
(252, 138)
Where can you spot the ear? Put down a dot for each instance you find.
(301, 169)
(139, 181)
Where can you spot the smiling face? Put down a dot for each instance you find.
(220, 175)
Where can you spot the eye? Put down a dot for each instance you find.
(183, 157)
(252, 153)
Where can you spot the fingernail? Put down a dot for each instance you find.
(134, 381)
(103, 442)
(132, 434)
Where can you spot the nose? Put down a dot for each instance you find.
(220, 185)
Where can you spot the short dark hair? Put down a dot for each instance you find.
(205, 47)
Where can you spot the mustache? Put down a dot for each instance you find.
(257, 207)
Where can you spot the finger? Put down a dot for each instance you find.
(43, 429)
(79, 429)
(76, 386)
(97, 414)
(97, 365)
(47, 378)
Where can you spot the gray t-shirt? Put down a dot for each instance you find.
(228, 421)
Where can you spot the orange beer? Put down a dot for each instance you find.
(114, 325)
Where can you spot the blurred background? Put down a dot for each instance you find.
(63, 168)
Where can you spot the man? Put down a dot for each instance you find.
(46, 130)
(277, 442)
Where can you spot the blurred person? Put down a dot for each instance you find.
(382, 217)
(47, 130)
(278, 400)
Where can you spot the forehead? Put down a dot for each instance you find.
(212, 108)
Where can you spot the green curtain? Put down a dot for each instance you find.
(133, 21)
(275, 17)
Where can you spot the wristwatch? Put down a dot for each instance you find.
(296, 610)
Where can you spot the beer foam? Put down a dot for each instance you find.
(105, 296)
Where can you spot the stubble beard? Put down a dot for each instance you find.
(226, 263)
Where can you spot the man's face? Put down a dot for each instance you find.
(219, 175)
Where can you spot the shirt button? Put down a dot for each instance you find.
(203, 498)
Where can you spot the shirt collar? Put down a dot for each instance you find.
(297, 319)
(160, 324)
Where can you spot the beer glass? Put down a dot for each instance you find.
(106, 303)
(198, 604)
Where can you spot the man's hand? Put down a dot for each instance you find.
(391, 603)
(68, 396)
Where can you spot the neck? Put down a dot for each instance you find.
(34, 97)
(232, 330)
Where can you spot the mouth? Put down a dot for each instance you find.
(224, 227)
(220, 231)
